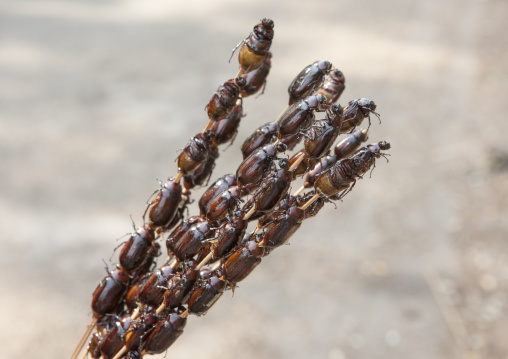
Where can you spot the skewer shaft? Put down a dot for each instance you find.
(84, 339)
(310, 201)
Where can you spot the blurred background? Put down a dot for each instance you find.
(96, 98)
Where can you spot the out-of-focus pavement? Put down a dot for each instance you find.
(97, 97)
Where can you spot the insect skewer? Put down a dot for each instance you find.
(84, 339)
(282, 113)
(310, 201)
(297, 162)
(178, 176)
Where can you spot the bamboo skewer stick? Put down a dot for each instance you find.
(83, 340)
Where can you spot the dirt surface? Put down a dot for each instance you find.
(97, 97)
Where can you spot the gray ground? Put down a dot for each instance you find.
(97, 97)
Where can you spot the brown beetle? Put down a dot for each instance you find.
(263, 136)
(255, 47)
(165, 205)
(203, 172)
(165, 333)
(224, 100)
(307, 80)
(206, 295)
(221, 185)
(222, 205)
(114, 340)
(152, 291)
(333, 86)
(256, 79)
(342, 150)
(135, 250)
(341, 178)
(257, 164)
(298, 117)
(270, 192)
(226, 129)
(356, 111)
(282, 227)
(109, 293)
(242, 262)
(195, 152)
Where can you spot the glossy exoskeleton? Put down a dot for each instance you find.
(256, 79)
(291, 141)
(195, 152)
(225, 130)
(180, 213)
(282, 227)
(314, 208)
(113, 341)
(298, 117)
(221, 185)
(226, 238)
(163, 208)
(152, 291)
(203, 172)
(307, 80)
(341, 178)
(139, 328)
(355, 112)
(271, 190)
(263, 136)
(206, 294)
(190, 242)
(242, 262)
(224, 100)
(135, 250)
(179, 231)
(153, 252)
(343, 149)
(323, 133)
(333, 86)
(255, 47)
(109, 293)
(257, 164)
(222, 205)
(318, 140)
(180, 285)
(165, 333)
(131, 298)
(94, 346)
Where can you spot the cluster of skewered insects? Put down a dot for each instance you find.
(138, 310)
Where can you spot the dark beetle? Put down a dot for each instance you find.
(109, 293)
(255, 47)
(255, 167)
(206, 295)
(195, 152)
(225, 130)
(341, 178)
(307, 80)
(242, 262)
(271, 190)
(333, 86)
(342, 150)
(135, 251)
(282, 227)
(224, 100)
(221, 185)
(165, 333)
(356, 111)
(263, 136)
(256, 79)
(299, 116)
(165, 205)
